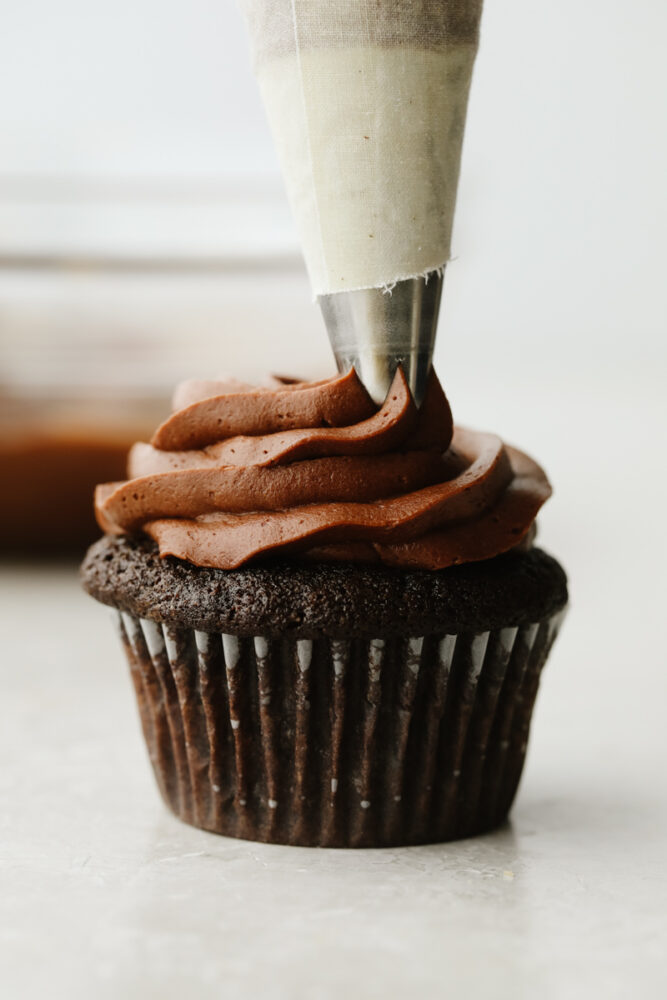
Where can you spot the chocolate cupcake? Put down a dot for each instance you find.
(333, 614)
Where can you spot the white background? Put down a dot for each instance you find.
(130, 127)
(135, 129)
(561, 216)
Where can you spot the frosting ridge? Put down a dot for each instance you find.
(316, 470)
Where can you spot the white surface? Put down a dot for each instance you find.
(105, 895)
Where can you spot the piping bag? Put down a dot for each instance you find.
(367, 103)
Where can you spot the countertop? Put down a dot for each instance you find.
(104, 894)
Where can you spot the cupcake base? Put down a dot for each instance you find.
(334, 724)
(337, 743)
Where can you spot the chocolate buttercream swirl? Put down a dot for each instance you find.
(316, 470)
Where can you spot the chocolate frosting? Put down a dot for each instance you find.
(315, 470)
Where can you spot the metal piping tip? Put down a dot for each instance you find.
(375, 331)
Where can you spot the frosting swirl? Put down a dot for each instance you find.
(316, 470)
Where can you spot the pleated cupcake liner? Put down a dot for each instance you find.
(337, 743)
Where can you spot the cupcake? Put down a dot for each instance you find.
(334, 614)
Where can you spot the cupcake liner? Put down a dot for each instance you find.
(337, 743)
